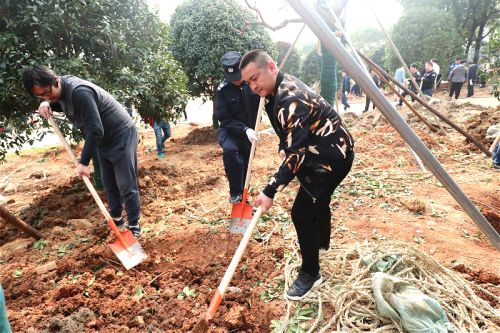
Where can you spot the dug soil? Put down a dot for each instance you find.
(71, 281)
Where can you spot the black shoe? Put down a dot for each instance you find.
(303, 285)
(135, 230)
(120, 223)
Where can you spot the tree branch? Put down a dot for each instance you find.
(267, 25)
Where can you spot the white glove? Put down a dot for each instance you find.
(251, 135)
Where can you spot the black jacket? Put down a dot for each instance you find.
(428, 80)
(418, 77)
(236, 108)
(311, 134)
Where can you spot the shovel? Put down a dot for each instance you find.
(241, 213)
(202, 325)
(126, 248)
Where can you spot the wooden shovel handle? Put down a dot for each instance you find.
(11, 219)
(87, 182)
(254, 144)
(219, 293)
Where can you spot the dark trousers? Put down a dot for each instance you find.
(235, 155)
(162, 133)
(356, 90)
(367, 104)
(455, 89)
(344, 100)
(119, 175)
(470, 90)
(312, 218)
(404, 94)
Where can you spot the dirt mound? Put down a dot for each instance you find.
(490, 207)
(201, 136)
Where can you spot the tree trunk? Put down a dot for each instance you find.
(477, 43)
(215, 122)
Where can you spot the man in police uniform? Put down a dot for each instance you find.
(236, 109)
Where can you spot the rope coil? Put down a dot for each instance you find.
(347, 288)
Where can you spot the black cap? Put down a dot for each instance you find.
(231, 62)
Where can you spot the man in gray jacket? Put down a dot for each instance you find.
(457, 78)
(107, 128)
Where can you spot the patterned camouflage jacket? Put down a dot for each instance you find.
(311, 134)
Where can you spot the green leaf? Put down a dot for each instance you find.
(17, 273)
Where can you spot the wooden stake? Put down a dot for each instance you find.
(11, 219)
(432, 128)
(428, 107)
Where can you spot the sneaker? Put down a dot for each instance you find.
(135, 230)
(496, 166)
(161, 155)
(303, 285)
(234, 199)
(119, 222)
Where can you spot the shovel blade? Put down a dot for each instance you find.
(241, 215)
(129, 252)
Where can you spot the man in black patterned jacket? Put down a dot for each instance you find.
(315, 147)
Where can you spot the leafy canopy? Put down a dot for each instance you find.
(203, 30)
(119, 45)
(422, 34)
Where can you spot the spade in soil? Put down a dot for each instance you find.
(127, 248)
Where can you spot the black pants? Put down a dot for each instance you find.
(118, 162)
(312, 219)
(404, 95)
(470, 90)
(455, 88)
(367, 104)
(235, 155)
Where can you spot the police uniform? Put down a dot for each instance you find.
(236, 110)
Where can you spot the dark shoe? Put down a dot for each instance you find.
(120, 223)
(496, 166)
(303, 285)
(234, 199)
(135, 230)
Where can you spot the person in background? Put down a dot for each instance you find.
(416, 75)
(314, 146)
(345, 89)
(437, 69)
(495, 152)
(454, 64)
(428, 79)
(471, 79)
(375, 79)
(236, 109)
(356, 90)
(107, 129)
(457, 78)
(400, 77)
(162, 133)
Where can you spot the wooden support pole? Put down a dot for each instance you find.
(324, 33)
(428, 107)
(11, 219)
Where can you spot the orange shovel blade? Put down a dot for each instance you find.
(128, 250)
(241, 215)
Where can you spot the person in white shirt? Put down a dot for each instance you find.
(436, 68)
